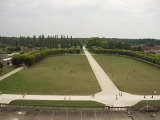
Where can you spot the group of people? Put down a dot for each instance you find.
(69, 98)
(120, 94)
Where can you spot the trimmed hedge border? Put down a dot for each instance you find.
(34, 57)
(148, 58)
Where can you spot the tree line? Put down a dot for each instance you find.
(96, 42)
(36, 56)
(155, 59)
(42, 41)
(116, 43)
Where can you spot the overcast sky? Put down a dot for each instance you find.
(81, 18)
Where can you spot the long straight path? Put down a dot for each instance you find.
(106, 84)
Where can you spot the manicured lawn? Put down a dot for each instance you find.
(149, 102)
(49, 103)
(6, 70)
(58, 75)
(131, 75)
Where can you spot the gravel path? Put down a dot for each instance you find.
(107, 86)
(11, 73)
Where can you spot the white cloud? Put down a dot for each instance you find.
(111, 18)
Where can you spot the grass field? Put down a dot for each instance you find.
(6, 69)
(49, 103)
(57, 75)
(130, 75)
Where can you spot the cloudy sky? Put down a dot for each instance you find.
(81, 18)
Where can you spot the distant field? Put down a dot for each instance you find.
(6, 69)
(52, 103)
(58, 75)
(130, 75)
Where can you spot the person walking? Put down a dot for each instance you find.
(23, 95)
(116, 97)
(93, 95)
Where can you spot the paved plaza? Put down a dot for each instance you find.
(78, 114)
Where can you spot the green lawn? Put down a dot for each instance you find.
(49, 103)
(131, 75)
(155, 103)
(6, 69)
(57, 75)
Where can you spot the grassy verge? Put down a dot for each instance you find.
(6, 70)
(131, 75)
(48, 103)
(155, 103)
(57, 75)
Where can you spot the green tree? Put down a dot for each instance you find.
(29, 60)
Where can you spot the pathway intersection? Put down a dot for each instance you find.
(110, 94)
